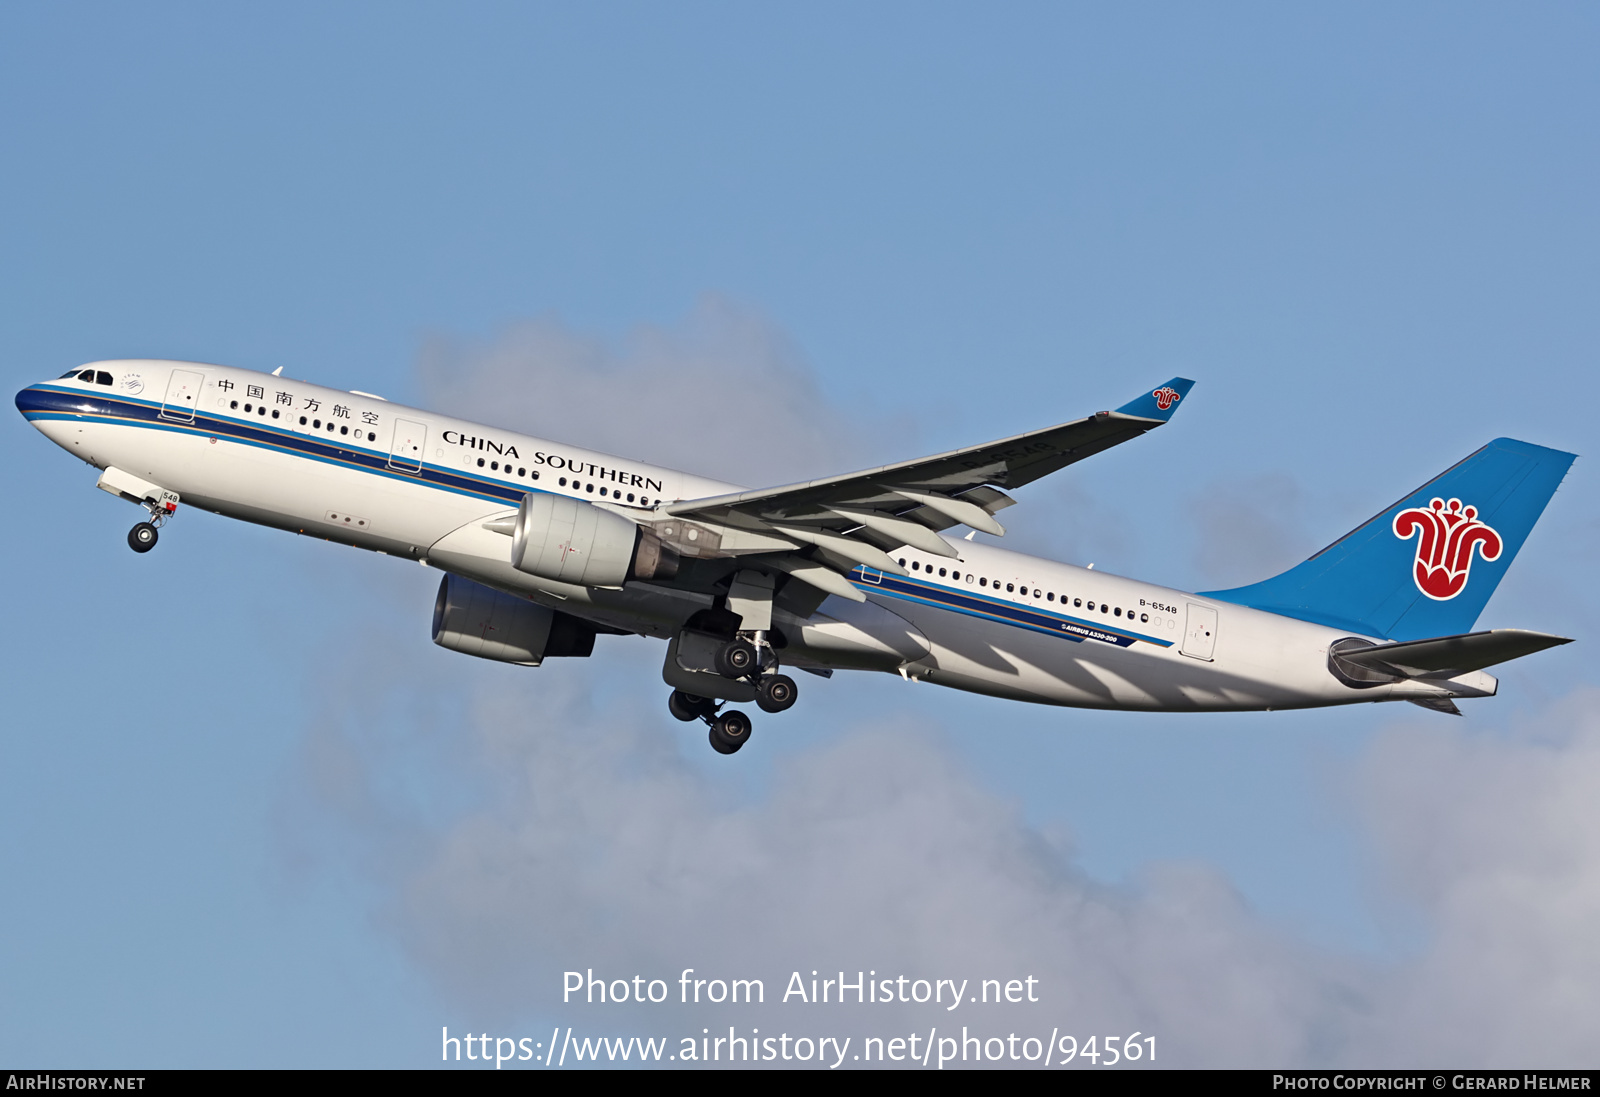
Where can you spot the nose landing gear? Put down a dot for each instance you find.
(143, 537)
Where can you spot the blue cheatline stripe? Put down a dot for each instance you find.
(992, 609)
(46, 403)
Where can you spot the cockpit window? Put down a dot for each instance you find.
(86, 375)
(69, 373)
(101, 377)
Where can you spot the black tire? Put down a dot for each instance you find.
(776, 693)
(143, 537)
(687, 707)
(737, 658)
(730, 731)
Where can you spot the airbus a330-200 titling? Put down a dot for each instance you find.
(544, 546)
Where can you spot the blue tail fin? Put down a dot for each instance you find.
(1427, 565)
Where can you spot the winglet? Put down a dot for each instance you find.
(1159, 403)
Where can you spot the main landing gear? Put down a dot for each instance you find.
(730, 729)
(729, 652)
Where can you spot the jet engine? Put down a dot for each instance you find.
(477, 620)
(573, 541)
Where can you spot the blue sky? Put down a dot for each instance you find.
(243, 794)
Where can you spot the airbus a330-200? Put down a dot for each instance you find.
(545, 546)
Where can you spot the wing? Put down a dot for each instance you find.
(842, 522)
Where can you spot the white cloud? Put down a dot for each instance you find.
(528, 822)
(592, 843)
(1496, 838)
(726, 394)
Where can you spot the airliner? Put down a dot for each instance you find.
(544, 546)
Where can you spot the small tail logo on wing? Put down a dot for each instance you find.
(1449, 533)
(1166, 397)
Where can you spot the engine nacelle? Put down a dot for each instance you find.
(572, 541)
(477, 620)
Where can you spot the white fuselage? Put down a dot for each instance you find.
(365, 472)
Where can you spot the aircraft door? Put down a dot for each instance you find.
(1200, 635)
(410, 439)
(183, 396)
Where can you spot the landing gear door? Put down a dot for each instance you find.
(183, 395)
(1200, 635)
(410, 439)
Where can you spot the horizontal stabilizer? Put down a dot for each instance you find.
(1437, 704)
(1449, 656)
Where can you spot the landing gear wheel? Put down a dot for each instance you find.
(142, 538)
(729, 732)
(776, 693)
(737, 658)
(688, 707)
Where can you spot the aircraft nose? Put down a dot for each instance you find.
(37, 403)
(28, 400)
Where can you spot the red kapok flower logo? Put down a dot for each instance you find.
(1449, 533)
